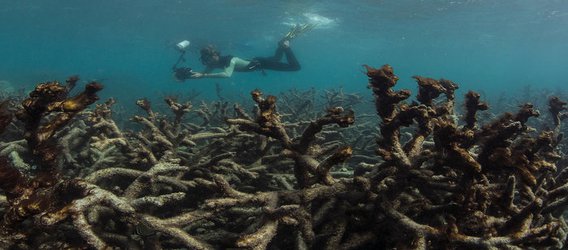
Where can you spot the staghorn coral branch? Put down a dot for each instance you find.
(334, 116)
(157, 201)
(176, 233)
(146, 105)
(138, 186)
(52, 98)
(178, 109)
(557, 109)
(450, 141)
(323, 168)
(69, 108)
(473, 105)
(429, 89)
(464, 240)
(381, 82)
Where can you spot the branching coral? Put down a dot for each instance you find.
(275, 180)
(44, 192)
(268, 123)
(557, 110)
(473, 105)
(52, 98)
(162, 137)
(468, 187)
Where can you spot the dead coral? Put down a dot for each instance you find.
(473, 105)
(418, 186)
(557, 109)
(272, 180)
(44, 192)
(268, 123)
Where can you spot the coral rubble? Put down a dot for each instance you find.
(284, 176)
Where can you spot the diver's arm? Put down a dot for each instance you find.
(228, 72)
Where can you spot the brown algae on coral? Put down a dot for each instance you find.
(282, 174)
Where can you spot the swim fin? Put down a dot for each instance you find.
(298, 29)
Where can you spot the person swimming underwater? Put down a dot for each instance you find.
(212, 59)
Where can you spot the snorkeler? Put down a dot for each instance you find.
(212, 59)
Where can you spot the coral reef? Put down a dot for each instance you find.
(492, 187)
(8, 89)
(291, 173)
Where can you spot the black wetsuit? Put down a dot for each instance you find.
(257, 63)
(274, 63)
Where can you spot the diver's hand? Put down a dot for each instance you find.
(181, 74)
(196, 75)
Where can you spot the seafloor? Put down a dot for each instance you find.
(293, 171)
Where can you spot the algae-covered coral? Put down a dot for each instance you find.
(284, 176)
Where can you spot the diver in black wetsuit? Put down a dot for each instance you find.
(212, 59)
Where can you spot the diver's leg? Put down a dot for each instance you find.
(292, 63)
(274, 63)
(283, 45)
(271, 59)
(277, 54)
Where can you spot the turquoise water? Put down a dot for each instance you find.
(486, 45)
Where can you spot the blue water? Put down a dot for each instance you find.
(486, 45)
